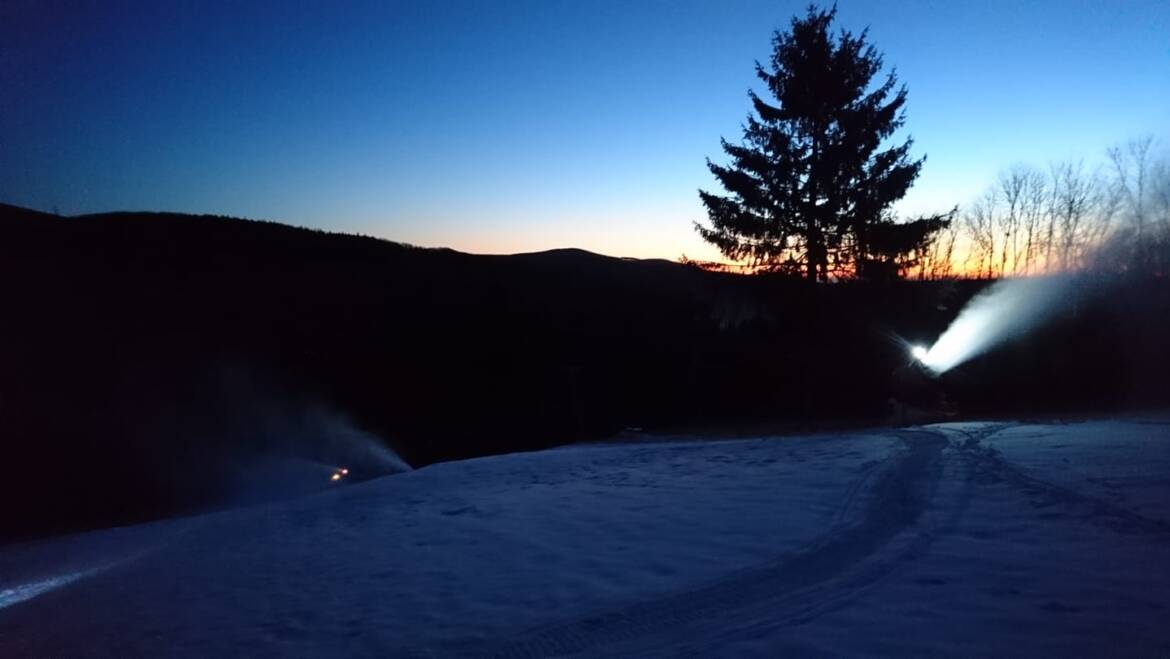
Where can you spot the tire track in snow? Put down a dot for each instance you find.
(791, 589)
(805, 606)
(990, 465)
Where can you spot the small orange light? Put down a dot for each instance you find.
(335, 477)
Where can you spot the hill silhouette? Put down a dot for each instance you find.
(147, 355)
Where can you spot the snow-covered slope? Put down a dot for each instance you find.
(953, 539)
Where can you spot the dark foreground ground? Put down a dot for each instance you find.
(153, 362)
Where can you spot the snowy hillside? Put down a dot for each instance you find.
(957, 539)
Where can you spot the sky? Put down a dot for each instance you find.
(504, 126)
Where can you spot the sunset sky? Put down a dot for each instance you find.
(519, 126)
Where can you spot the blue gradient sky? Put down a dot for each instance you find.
(516, 126)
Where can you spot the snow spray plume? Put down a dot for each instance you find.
(299, 451)
(1009, 308)
(338, 439)
(266, 440)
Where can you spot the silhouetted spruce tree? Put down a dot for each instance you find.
(811, 174)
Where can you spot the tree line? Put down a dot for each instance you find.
(1069, 216)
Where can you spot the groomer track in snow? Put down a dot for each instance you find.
(952, 539)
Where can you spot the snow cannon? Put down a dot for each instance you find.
(916, 392)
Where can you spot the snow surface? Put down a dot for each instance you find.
(955, 539)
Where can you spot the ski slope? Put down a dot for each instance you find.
(954, 539)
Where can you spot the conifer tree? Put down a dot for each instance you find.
(812, 174)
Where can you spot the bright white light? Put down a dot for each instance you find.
(918, 352)
(1007, 309)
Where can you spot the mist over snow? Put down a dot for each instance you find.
(1007, 309)
(268, 441)
(300, 451)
